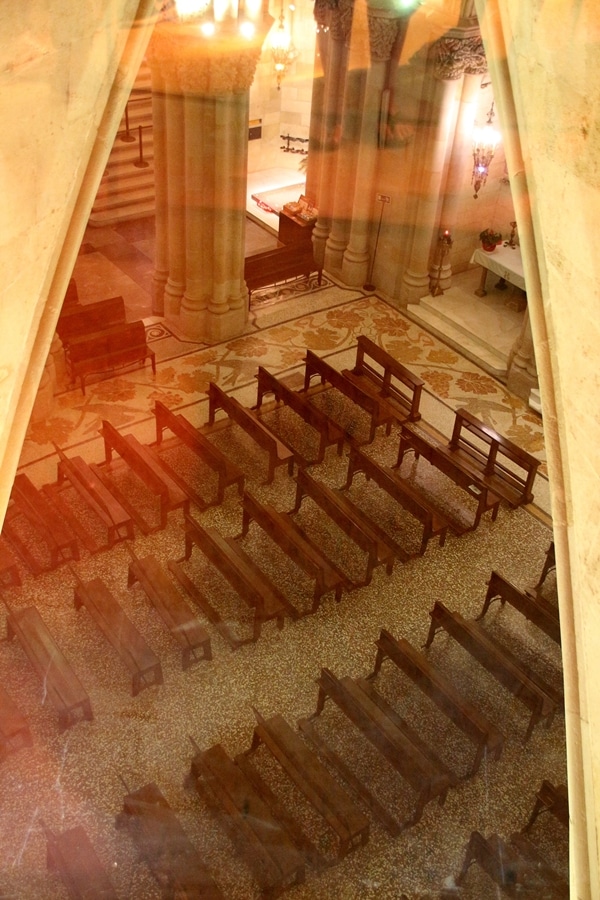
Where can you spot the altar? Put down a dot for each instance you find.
(504, 261)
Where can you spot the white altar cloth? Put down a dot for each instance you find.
(505, 262)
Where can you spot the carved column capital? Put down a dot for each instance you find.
(383, 32)
(341, 21)
(193, 64)
(456, 56)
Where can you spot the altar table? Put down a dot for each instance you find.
(504, 261)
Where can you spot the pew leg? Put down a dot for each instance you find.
(433, 629)
(378, 661)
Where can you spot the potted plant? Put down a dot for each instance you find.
(489, 238)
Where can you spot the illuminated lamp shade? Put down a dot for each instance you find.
(485, 141)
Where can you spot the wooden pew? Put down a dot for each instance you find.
(77, 320)
(9, 569)
(279, 453)
(377, 408)
(329, 433)
(140, 659)
(145, 465)
(390, 735)
(362, 530)
(71, 855)
(271, 266)
(228, 473)
(553, 799)
(540, 698)
(538, 611)
(292, 540)
(434, 684)
(165, 847)
(85, 480)
(60, 683)
(14, 730)
(45, 520)
(493, 461)
(381, 375)
(429, 444)
(105, 351)
(515, 866)
(254, 830)
(434, 523)
(249, 582)
(304, 769)
(174, 611)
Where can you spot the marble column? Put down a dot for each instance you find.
(383, 32)
(207, 81)
(447, 62)
(475, 66)
(161, 245)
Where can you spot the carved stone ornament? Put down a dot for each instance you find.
(383, 32)
(211, 66)
(341, 21)
(456, 56)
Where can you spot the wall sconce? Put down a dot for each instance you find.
(283, 51)
(485, 141)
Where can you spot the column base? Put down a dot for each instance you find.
(206, 327)
(414, 286)
(355, 267)
(521, 382)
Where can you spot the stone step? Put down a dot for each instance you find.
(470, 345)
(141, 193)
(141, 210)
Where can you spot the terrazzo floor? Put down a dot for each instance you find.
(78, 776)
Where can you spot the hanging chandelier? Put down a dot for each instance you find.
(283, 52)
(485, 141)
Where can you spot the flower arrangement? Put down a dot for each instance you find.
(490, 237)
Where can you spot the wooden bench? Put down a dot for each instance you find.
(77, 320)
(59, 681)
(279, 453)
(541, 699)
(271, 266)
(85, 480)
(329, 433)
(46, 521)
(165, 847)
(363, 531)
(174, 611)
(9, 569)
(14, 730)
(249, 582)
(381, 375)
(140, 659)
(434, 523)
(430, 445)
(228, 473)
(254, 830)
(390, 735)
(553, 799)
(145, 465)
(105, 351)
(434, 684)
(292, 540)
(71, 855)
(305, 770)
(536, 609)
(378, 409)
(515, 866)
(493, 461)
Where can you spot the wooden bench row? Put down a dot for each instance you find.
(105, 351)
(77, 320)
(493, 462)
(271, 266)
(542, 699)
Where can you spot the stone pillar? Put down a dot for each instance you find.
(451, 56)
(207, 80)
(471, 60)
(522, 368)
(383, 32)
(333, 51)
(161, 242)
